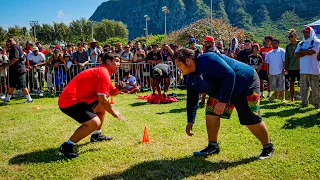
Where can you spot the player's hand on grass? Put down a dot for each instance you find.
(189, 129)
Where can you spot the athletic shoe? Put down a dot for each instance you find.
(284, 101)
(3, 97)
(100, 137)
(266, 152)
(41, 94)
(67, 150)
(210, 149)
(268, 98)
(27, 102)
(262, 97)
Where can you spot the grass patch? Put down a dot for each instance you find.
(30, 140)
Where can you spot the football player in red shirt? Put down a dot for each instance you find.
(85, 99)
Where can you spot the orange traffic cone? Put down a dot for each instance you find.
(111, 100)
(145, 137)
(36, 108)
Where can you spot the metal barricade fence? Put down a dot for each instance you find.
(56, 78)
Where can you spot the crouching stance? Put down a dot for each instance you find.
(85, 100)
(229, 84)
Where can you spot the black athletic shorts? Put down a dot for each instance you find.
(247, 106)
(263, 75)
(294, 75)
(17, 81)
(81, 112)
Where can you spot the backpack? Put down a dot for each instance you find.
(311, 45)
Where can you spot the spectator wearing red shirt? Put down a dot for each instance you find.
(85, 99)
(41, 49)
(263, 73)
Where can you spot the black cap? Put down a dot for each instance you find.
(247, 40)
(154, 45)
(29, 42)
(67, 55)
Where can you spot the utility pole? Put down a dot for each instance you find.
(34, 24)
(165, 10)
(147, 19)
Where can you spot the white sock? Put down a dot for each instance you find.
(70, 142)
(261, 93)
(97, 132)
(269, 93)
(28, 97)
(8, 97)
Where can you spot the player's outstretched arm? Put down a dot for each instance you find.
(107, 106)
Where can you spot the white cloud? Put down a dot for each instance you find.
(60, 14)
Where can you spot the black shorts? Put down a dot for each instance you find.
(81, 112)
(247, 106)
(294, 75)
(263, 75)
(17, 81)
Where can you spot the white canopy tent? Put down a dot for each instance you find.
(316, 26)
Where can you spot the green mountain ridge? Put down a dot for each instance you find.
(245, 14)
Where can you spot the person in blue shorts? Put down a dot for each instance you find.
(230, 84)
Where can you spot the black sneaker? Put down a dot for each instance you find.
(67, 150)
(100, 137)
(27, 102)
(266, 152)
(210, 149)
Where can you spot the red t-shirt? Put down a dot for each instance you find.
(44, 51)
(86, 87)
(263, 52)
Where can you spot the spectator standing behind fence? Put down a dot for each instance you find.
(263, 75)
(307, 51)
(194, 46)
(41, 49)
(119, 48)
(275, 60)
(126, 58)
(254, 59)
(37, 60)
(93, 52)
(154, 56)
(292, 64)
(220, 47)
(70, 51)
(49, 72)
(166, 53)
(244, 54)
(53, 63)
(80, 58)
(3, 72)
(17, 70)
(234, 48)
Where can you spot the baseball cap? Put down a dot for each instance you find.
(57, 47)
(209, 39)
(307, 29)
(35, 48)
(52, 46)
(192, 40)
(247, 41)
(154, 45)
(56, 50)
(29, 42)
(127, 46)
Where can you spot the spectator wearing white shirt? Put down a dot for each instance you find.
(3, 72)
(37, 60)
(275, 68)
(307, 51)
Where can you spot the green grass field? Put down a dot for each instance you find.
(30, 139)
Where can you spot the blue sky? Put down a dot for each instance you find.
(44, 11)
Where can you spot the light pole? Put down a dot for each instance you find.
(211, 18)
(165, 10)
(92, 24)
(33, 24)
(147, 19)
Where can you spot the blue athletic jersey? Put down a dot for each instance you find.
(220, 77)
